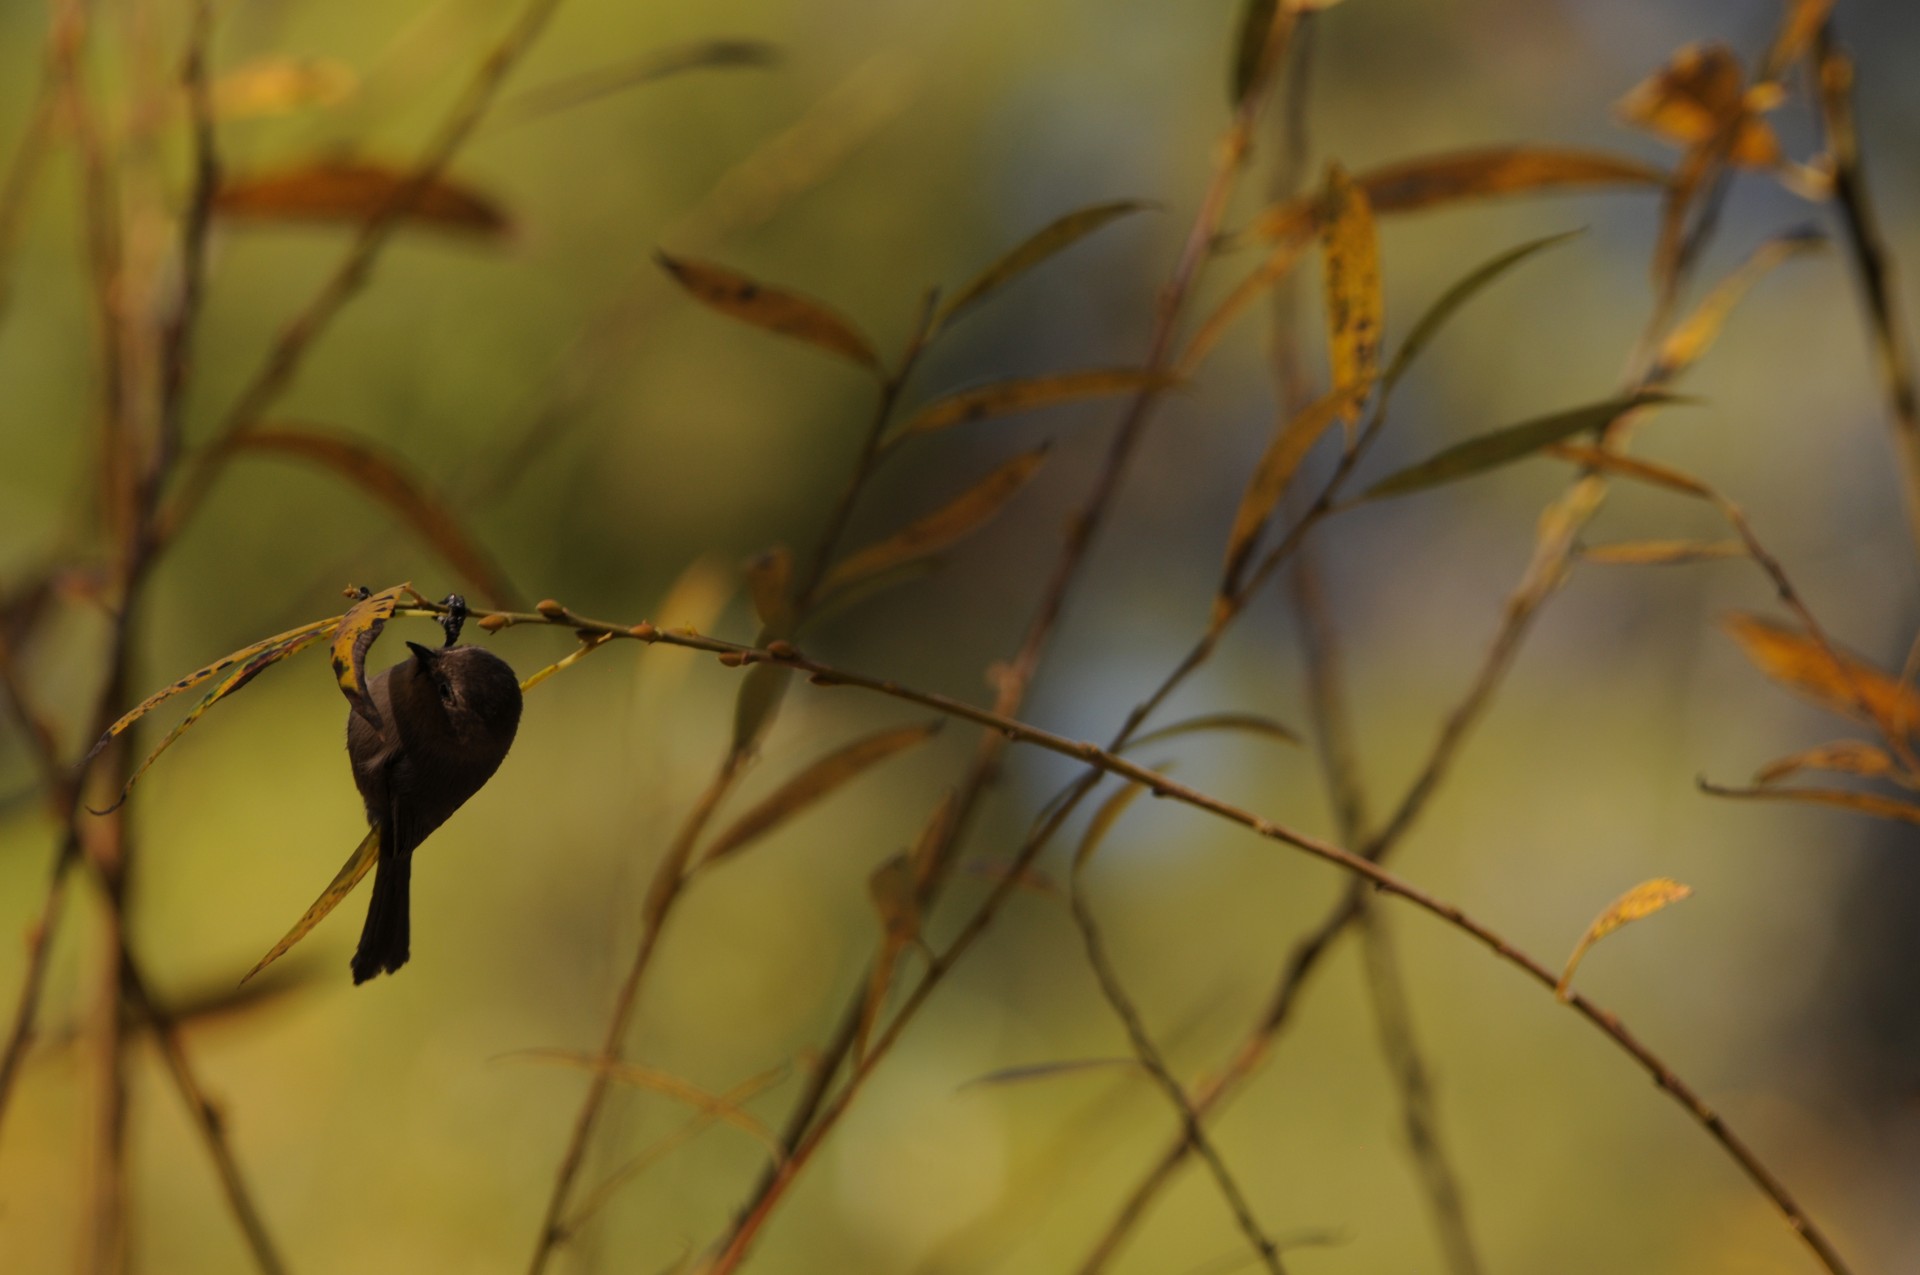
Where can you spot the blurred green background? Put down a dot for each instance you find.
(600, 433)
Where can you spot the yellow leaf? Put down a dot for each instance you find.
(813, 784)
(1051, 239)
(279, 85)
(1643, 900)
(1288, 448)
(1350, 252)
(1663, 553)
(358, 628)
(1695, 98)
(386, 478)
(352, 191)
(945, 526)
(1797, 29)
(1278, 265)
(771, 309)
(1850, 756)
(1865, 803)
(357, 865)
(1837, 681)
(1695, 335)
(1005, 397)
(1623, 466)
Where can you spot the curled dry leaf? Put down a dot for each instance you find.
(813, 784)
(1436, 180)
(1503, 446)
(1849, 756)
(772, 309)
(1050, 240)
(387, 478)
(944, 527)
(1006, 397)
(1662, 553)
(354, 192)
(1837, 680)
(358, 628)
(1696, 98)
(1643, 900)
(358, 864)
(1350, 256)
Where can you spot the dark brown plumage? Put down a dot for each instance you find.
(447, 718)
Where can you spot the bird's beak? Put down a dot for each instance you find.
(424, 654)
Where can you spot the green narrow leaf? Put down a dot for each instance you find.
(1278, 464)
(1054, 238)
(1502, 446)
(1250, 48)
(1006, 397)
(1456, 297)
(1249, 723)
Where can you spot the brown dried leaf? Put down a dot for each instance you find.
(771, 309)
(1006, 397)
(352, 191)
(1350, 255)
(358, 628)
(358, 864)
(1662, 553)
(944, 527)
(386, 477)
(1643, 900)
(813, 784)
(1850, 756)
(1052, 239)
(1696, 334)
(1430, 182)
(1838, 681)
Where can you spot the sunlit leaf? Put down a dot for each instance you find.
(358, 628)
(1849, 756)
(1006, 397)
(1838, 681)
(1503, 446)
(1050, 240)
(1049, 1071)
(1696, 334)
(1865, 803)
(1694, 98)
(1102, 823)
(1643, 900)
(351, 191)
(1247, 723)
(814, 784)
(667, 1085)
(944, 527)
(1455, 298)
(655, 64)
(1355, 304)
(1803, 20)
(1436, 180)
(1278, 265)
(1662, 553)
(358, 864)
(771, 309)
(278, 84)
(386, 478)
(1288, 448)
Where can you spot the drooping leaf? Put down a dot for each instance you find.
(1436, 180)
(1849, 756)
(1267, 276)
(1695, 98)
(1643, 900)
(1503, 446)
(589, 643)
(1455, 298)
(1102, 823)
(1696, 334)
(1355, 303)
(1248, 723)
(814, 784)
(1865, 803)
(277, 84)
(944, 527)
(387, 478)
(358, 864)
(353, 192)
(1006, 397)
(667, 1085)
(1837, 680)
(1662, 553)
(1288, 448)
(1052, 239)
(1048, 1071)
(771, 309)
(358, 628)
(655, 64)
(770, 585)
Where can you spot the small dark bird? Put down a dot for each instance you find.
(447, 718)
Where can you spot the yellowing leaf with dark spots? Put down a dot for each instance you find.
(772, 309)
(1836, 680)
(1642, 901)
(358, 628)
(1437, 180)
(1051, 239)
(387, 478)
(1662, 553)
(945, 526)
(1848, 756)
(1350, 255)
(355, 192)
(357, 865)
(1006, 397)
(813, 784)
